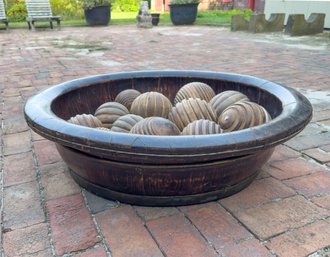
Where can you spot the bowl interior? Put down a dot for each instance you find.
(86, 99)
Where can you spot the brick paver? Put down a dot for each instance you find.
(71, 224)
(98, 252)
(277, 217)
(178, 237)
(27, 241)
(22, 206)
(122, 225)
(45, 213)
(314, 236)
(260, 191)
(55, 176)
(19, 168)
(227, 236)
(311, 185)
(293, 168)
(46, 152)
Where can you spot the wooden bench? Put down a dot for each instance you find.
(3, 17)
(40, 10)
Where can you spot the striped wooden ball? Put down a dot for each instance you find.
(243, 115)
(202, 127)
(125, 123)
(103, 128)
(109, 112)
(223, 100)
(194, 90)
(151, 104)
(189, 110)
(87, 120)
(155, 126)
(127, 97)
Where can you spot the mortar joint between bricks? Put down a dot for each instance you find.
(98, 229)
(1, 182)
(42, 196)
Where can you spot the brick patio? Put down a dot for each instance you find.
(284, 212)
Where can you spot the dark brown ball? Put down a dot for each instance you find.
(189, 110)
(155, 126)
(127, 97)
(109, 112)
(87, 120)
(194, 90)
(202, 127)
(125, 123)
(223, 100)
(151, 104)
(243, 115)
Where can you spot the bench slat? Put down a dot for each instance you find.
(40, 10)
(2, 10)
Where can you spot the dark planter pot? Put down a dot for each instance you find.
(155, 18)
(99, 15)
(183, 14)
(164, 170)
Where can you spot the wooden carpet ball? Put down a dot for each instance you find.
(125, 123)
(103, 128)
(127, 97)
(87, 120)
(157, 126)
(151, 104)
(189, 110)
(202, 127)
(243, 115)
(223, 100)
(109, 112)
(194, 90)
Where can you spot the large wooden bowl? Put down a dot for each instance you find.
(164, 170)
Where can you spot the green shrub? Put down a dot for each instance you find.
(68, 9)
(88, 4)
(16, 10)
(126, 5)
(224, 13)
(184, 1)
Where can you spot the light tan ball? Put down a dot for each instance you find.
(103, 128)
(155, 126)
(243, 115)
(151, 104)
(202, 127)
(194, 90)
(87, 120)
(189, 110)
(109, 112)
(127, 97)
(223, 100)
(125, 123)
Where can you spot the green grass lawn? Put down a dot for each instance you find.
(121, 18)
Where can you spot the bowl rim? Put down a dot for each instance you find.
(296, 114)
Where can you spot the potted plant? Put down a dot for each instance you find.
(97, 12)
(183, 12)
(155, 18)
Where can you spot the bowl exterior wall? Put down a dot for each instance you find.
(157, 184)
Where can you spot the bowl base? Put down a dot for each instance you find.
(162, 201)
